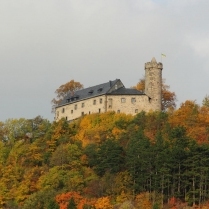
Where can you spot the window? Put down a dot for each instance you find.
(118, 111)
(82, 104)
(110, 103)
(99, 110)
(91, 91)
(82, 113)
(123, 100)
(63, 110)
(94, 102)
(89, 112)
(71, 111)
(66, 118)
(100, 101)
(75, 107)
(57, 113)
(136, 111)
(133, 100)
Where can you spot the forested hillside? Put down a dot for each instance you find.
(104, 161)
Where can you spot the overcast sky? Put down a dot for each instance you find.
(46, 43)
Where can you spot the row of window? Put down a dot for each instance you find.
(136, 111)
(83, 105)
(99, 110)
(123, 100)
(82, 113)
(133, 100)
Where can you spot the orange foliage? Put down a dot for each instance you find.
(63, 199)
(194, 118)
(142, 201)
(63, 90)
(103, 203)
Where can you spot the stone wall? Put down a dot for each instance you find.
(153, 83)
(129, 104)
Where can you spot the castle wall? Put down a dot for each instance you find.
(129, 104)
(77, 109)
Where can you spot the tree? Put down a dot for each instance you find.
(109, 157)
(168, 97)
(71, 204)
(63, 90)
(205, 101)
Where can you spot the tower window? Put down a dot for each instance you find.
(82, 113)
(66, 118)
(75, 107)
(99, 110)
(94, 102)
(71, 111)
(100, 100)
(82, 104)
(63, 110)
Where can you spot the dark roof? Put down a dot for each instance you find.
(125, 91)
(101, 89)
(89, 92)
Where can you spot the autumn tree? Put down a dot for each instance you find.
(63, 90)
(168, 97)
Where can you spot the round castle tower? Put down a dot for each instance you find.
(153, 83)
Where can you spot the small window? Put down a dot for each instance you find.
(82, 104)
(100, 89)
(136, 111)
(71, 111)
(99, 110)
(89, 112)
(66, 118)
(123, 100)
(100, 101)
(94, 102)
(75, 107)
(133, 100)
(118, 111)
(91, 91)
(82, 113)
(63, 110)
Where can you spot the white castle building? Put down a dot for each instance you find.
(113, 96)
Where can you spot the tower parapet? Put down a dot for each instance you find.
(153, 83)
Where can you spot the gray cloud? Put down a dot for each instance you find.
(45, 43)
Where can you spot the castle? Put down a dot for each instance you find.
(113, 96)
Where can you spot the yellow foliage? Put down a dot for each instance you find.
(95, 128)
(122, 197)
(103, 203)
